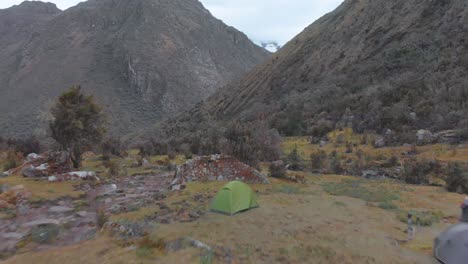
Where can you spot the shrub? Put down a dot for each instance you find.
(252, 144)
(171, 155)
(418, 172)
(101, 218)
(112, 146)
(295, 161)
(456, 180)
(114, 168)
(318, 160)
(334, 163)
(186, 150)
(277, 169)
(392, 161)
(13, 160)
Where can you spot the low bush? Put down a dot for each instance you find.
(418, 171)
(277, 169)
(114, 168)
(288, 189)
(387, 205)
(113, 146)
(456, 180)
(318, 160)
(334, 163)
(295, 161)
(13, 160)
(358, 189)
(421, 218)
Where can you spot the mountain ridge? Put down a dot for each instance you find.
(142, 59)
(377, 64)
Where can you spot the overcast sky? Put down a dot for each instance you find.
(261, 20)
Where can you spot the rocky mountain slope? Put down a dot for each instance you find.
(372, 64)
(142, 59)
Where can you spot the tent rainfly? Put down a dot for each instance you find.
(234, 197)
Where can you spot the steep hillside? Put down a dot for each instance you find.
(373, 64)
(142, 59)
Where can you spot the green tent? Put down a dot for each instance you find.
(235, 197)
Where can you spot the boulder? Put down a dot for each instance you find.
(32, 172)
(323, 143)
(146, 164)
(52, 179)
(424, 137)
(215, 168)
(379, 142)
(31, 157)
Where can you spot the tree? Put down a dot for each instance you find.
(77, 123)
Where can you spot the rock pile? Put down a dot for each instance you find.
(215, 168)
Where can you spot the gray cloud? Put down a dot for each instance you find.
(261, 20)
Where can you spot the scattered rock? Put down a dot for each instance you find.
(185, 242)
(41, 222)
(45, 234)
(13, 236)
(60, 209)
(197, 243)
(372, 175)
(82, 213)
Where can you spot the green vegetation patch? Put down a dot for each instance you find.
(421, 218)
(357, 188)
(288, 189)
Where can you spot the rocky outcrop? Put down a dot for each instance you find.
(215, 168)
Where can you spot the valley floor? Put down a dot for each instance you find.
(328, 219)
(294, 224)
